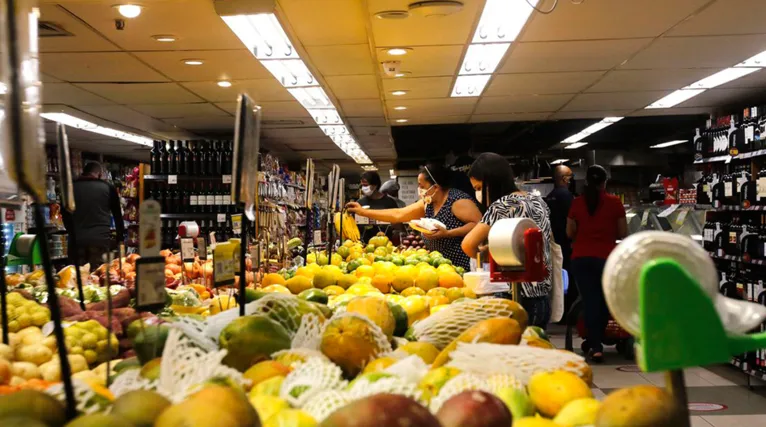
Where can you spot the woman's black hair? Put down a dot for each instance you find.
(595, 178)
(496, 175)
(372, 178)
(437, 174)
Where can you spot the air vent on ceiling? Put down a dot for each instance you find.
(282, 122)
(50, 29)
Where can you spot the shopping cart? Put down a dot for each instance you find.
(614, 334)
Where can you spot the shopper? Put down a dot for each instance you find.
(596, 221)
(493, 180)
(391, 189)
(374, 199)
(559, 201)
(454, 208)
(97, 204)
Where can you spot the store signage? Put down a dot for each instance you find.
(150, 282)
(317, 237)
(223, 264)
(10, 215)
(236, 224)
(202, 248)
(221, 217)
(408, 189)
(149, 229)
(226, 179)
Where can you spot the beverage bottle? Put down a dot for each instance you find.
(227, 158)
(193, 199)
(181, 154)
(210, 199)
(172, 159)
(155, 157)
(163, 158)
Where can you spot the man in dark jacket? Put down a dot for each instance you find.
(559, 201)
(90, 226)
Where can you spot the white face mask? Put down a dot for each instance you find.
(422, 193)
(367, 190)
(478, 196)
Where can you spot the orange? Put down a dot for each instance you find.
(450, 280)
(382, 282)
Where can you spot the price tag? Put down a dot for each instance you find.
(202, 248)
(226, 179)
(221, 217)
(645, 218)
(255, 256)
(172, 179)
(382, 223)
(187, 249)
(361, 220)
(150, 282)
(223, 264)
(236, 223)
(682, 216)
(317, 237)
(149, 229)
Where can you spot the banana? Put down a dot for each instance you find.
(350, 229)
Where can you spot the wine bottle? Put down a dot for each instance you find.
(196, 158)
(193, 199)
(210, 199)
(163, 158)
(155, 157)
(188, 159)
(181, 154)
(227, 158)
(172, 159)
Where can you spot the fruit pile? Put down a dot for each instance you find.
(413, 241)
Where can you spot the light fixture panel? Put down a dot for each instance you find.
(262, 35)
(291, 72)
(674, 98)
(469, 86)
(502, 20)
(483, 58)
(721, 77)
(85, 125)
(575, 145)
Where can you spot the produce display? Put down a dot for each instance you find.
(371, 335)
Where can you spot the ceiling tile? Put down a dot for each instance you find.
(595, 114)
(353, 87)
(208, 123)
(639, 80)
(167, 111)
(543, 83)
(65, 93)
(521, 104)
(83, 39)
(677, 111)
(570, 55)
(608, 20)
(697, 52)
(260, 90)
(361, 130)
(273, 109)
(431, 107)
(434, 120)
(512, 117)
(418, 88)
(312, 132)
(194, 23)
(49, 79)
(97, 67)
(139, 123)
(455, 29)
(310, 21)
(341, 60)
(367, 121)
(725, 17)
(362, 107)
(142, 93)
(427, 61)
(613, 100)
(237, 64)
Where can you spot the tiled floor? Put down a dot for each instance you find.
(730, 402)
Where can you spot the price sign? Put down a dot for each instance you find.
(236, 223)
(221, 217)
(361, 220)
(317, 237)
(149, 229)
(150, 282)
(226, 179)
(223, 264)
(187, 249)
(172, 179)
(202, 248)
(255, 256)
(213, 242)
(682, 216)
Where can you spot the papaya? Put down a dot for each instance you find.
(149, 342)
(517, 312)
(350, 343)
(280, 312)
(251, 339)
(313, 295)
(400, 318)
(375, 309)
(497, 330)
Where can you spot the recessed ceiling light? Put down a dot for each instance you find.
(435, 8)
(165, 38)
(224, 83)
(397, 51)
(399, 92)
(129, 10)
(401, 74)
(400, 108)
(401, 120)
(193, 61)
(393, 14)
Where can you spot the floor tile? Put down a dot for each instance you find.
(607, 377)
(700, 422)
(691, 378)
(735, 420)
(739, 400)
(598, 394)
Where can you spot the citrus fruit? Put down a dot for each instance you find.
(416, 308)
(412, 290)
(375, 309)
(262, 371)
(378, 364)
(334, 290)
(454, 294)
(436, 292)
(550, 391)
(365, 270)
(324, 278)
(404, 278)
(298, 284)
(438, 308)
(382, 282)
(277, 288)
(347, 280)
(424, 350)
(272, 279)
(450, 280)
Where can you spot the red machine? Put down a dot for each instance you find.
(533, 268)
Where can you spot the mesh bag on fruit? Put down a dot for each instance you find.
(382, 345)
(324, 403)
(461, 382)
(130, 380)
(295, 356)
(363, 387)
(88, 401)
(194, 330)
(520, 361)
(411, 368)
(309, 334)
(310, 378)
(498, 382)
(442, 327)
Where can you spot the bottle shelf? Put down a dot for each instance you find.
(759, 373)
(221, 178)
(191, 215)
(737, 259)
(732, 208)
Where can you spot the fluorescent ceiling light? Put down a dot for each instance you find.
(675, 98)
(590, 130)
(263, 35)
(670, 143)
(402, 74)
(291, 72)
(758, 60)
(165, 38)
(129, 10)
(369, 167)
(559, 161)
(311, 97)
(721, 77)
(400, 108)
(468, 86)
(326, 117)
(397, 51)
(575, 145)
(483, 58)
(193, 61)
(502, 20)
(334, 130)
(78, 123)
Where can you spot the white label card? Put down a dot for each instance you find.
(172, 179)
(187, 249)
(236, 223)
(226, 179)
(317, 237)
(150, 282)
(221, 217)
(361, 220)
(728, 189)
(202, 248)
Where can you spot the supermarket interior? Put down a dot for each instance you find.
(352, 213)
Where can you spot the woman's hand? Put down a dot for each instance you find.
(354, 207)
(440, 233)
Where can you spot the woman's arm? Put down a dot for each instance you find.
(416, 210)
(477, 236)
(622, 228)
(571, 228)
(467, 212)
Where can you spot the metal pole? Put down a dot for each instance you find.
(676, 386)
(242, 264)
(3, 290)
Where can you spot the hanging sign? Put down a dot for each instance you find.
(201, 248)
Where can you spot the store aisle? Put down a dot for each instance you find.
(718, 393)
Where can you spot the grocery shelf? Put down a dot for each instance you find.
(713, 159)
(737, 259)
(755, 373)
(190, 215)
(186, 177)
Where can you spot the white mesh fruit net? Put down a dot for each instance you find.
(131, 380)
(295, 356)
(324, 403)
(520, 361)
(410, 368)
(375, 334)
(84, 396)
(363, 387)
(195, 331)
(498, 382)
(442, 327)
(309, 334)
(310, 378)
(462, 382)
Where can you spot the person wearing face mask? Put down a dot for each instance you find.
(375, 199)
(492, 177)
(454, 208)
